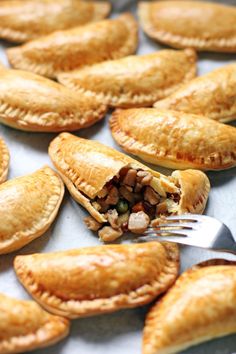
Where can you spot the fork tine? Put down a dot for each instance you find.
(174, 239)
(163, 226)
(184, 218)
(160, 232)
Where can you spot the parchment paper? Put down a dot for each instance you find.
(121, 332)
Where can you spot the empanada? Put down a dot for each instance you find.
(77, 47)
(135, 80)
(199, 307)
(34, 103)
(4, 160)
(212, 95)
(119, 192)
(190, 24)
(25, 326)
(99, 279)
(28, 206)
(174, 139)
(21, 21)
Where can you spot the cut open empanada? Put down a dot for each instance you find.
(21, 21)
(25, 326)
(134, 80)
(174, 139)
(28, 206)
(75, 48)
(4, 160)
(119, 192)
(99, 279)
(33, 103)
(212, 94)
(190, 24)
(199, 307)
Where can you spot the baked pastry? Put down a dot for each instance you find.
(174, 139)
(28, 206)
(190, 24)
(21, 21)
(4, 160)
(119, 192)
(134, 80)
(212, 95)
(199, 307)
(34, 103)
(25, 326)
(99, 279)
(78, 47)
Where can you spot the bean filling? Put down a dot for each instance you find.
(130, 202)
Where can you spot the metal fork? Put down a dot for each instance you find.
(193, 230)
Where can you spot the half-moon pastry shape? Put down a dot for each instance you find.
(34, 103)
(134, 80)
(25, 326)
(199, 307)
(174, 139)
(28, 206)
(75, 48)
(4, 160)
(203, 26)
(21, 21)
(107, 183)
(212, 95)
(99, 279)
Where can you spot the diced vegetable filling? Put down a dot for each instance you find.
(130, 202)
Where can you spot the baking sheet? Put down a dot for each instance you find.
(120, 332)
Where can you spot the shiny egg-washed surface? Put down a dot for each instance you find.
(120, 332)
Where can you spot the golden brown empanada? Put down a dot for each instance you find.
(175, 139)
(99, 279)
(4, 160)
(190, 24)
(21, 21)
(78, 47)
(118, 191)
(34, 103)
(28, 206)
(199, 307)
(25, 326)
(135, 80)
(212, 95)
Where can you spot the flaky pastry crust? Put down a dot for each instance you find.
(203, 26)
(4, 160)
(28, 206)
(199, 307)
(25, 326)
(21, 21)
(134, 80)
(212, 94)
(75, 48)
(175, 139)
(86, 166)
(33, 103)
(99, 279)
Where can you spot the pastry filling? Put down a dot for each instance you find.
(130, 202)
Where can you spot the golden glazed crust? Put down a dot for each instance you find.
(78, 47)
(28, 206)
(99, 279)
(21, 21)
(86, 166)
(25, 326)
(135, 80)
(4, 161)
(175, 139)
(25, 104)
(199, 307)
(212, 95)
(190, 24)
